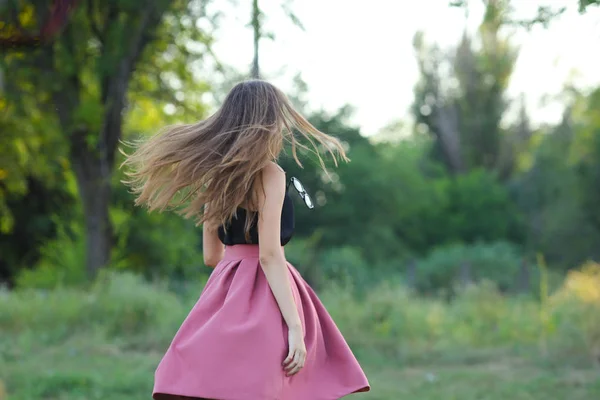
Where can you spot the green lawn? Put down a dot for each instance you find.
(514, 380)
(104, 342)
(85, 368)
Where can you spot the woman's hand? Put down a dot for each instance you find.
(296, 353)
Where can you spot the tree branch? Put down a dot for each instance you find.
(93, 24)
(118, 83)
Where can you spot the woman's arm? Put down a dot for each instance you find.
(274, 264)
(212, 248)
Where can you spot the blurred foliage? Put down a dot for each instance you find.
(460, 99)
(557, 188)
(576, 309)
(74, 92)
(467, 197)
(544, 15)
(391, 202)
(586, 153)
(455, 265)
(60, 261)
(36, 188)
(115, 305)
(124, 314)
(422, 247)
(156, 244)
(392, 319)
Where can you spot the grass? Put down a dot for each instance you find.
(505, 379)
(104, 342)
(88, 368)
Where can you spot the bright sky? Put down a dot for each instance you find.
(360, 53)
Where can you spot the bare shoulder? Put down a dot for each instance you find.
(274, 167)
(273, 181)
(273, 174)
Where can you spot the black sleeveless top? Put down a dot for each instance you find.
(233, 233)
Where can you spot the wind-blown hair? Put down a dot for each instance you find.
(208, 169)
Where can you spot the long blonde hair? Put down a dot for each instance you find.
(217, 162)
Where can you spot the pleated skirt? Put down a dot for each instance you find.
(232, 344)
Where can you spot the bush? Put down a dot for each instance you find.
(389, 320)
(479, 208)
(393, 321)
(446, 267)
(154, 254)
(117, 305)
(575, 310)
(343, 265)
(482, 316)
(127, 305)
(154, 244)
(62, 261)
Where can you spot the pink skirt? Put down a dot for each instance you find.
(233, 342)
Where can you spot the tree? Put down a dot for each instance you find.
(460, 99)
(586, 155)
(544, 15)
(35, 189)
(13, 34)
(435, 113)
(483, 75)
(81, 80)
(257, 25)
(257, 31)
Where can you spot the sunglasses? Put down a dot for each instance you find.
(302, 192)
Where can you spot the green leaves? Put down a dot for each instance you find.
(89, 114)
(584, 4)
(72, 97)
(460, 99)
(544, 16)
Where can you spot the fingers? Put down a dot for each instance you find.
(297, 362)
(289, 357)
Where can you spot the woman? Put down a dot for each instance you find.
(258, 331)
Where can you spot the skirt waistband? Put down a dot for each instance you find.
(240, 251)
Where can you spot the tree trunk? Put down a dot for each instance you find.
(446, 122)
(97, 227)
(93, 182)
(93, 165)
(255, 22)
